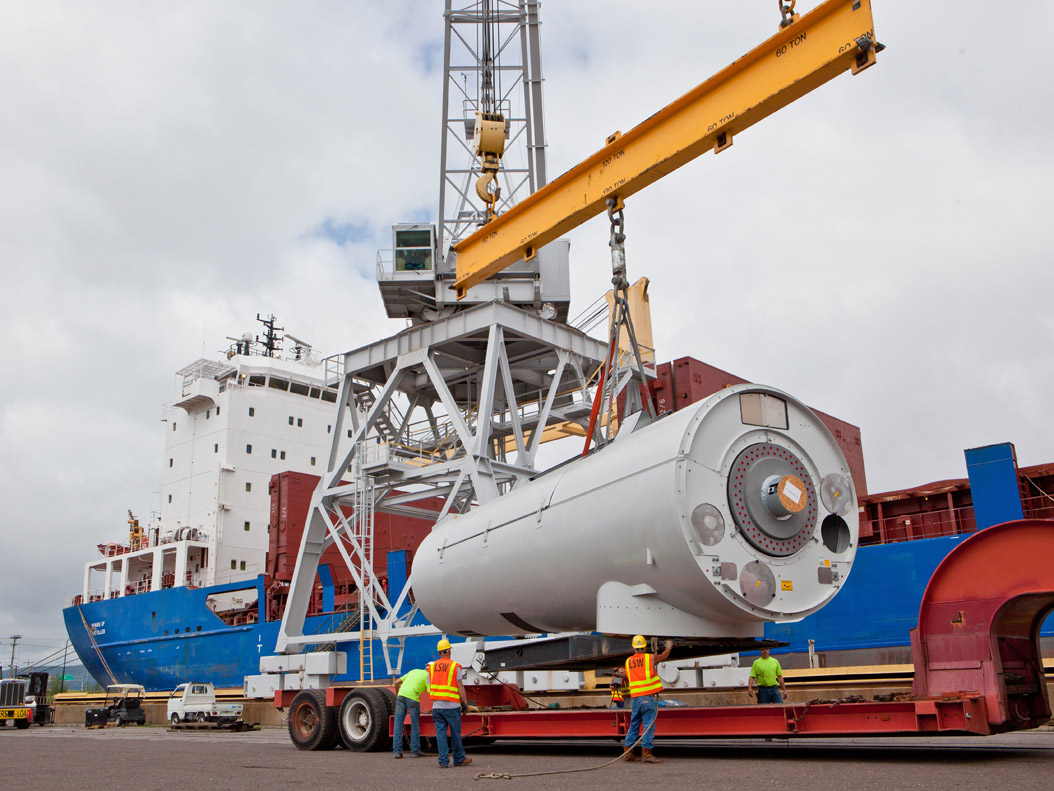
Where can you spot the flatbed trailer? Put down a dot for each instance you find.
(978, 670)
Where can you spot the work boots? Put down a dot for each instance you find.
(630, 757)
(647, 758)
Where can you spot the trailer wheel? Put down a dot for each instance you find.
(312, 725)
(22, 724)
(364, 721)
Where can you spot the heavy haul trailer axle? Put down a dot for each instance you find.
(978, 670)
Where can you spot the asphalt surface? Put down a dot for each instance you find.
(154, 758)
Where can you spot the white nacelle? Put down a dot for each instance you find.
(707, 523)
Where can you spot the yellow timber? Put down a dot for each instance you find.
(803, 56)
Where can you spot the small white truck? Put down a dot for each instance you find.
(196, 702)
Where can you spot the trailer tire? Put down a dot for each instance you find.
(312, 724)
(22, 724)
(364, 721)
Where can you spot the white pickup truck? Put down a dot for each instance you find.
(197, 702)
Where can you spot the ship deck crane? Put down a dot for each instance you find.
(808, 51)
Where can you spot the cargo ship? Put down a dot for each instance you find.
(199, 593)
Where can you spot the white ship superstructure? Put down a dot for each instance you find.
(229, 427)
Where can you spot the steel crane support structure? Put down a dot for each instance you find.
(832, 38)
(454, 409)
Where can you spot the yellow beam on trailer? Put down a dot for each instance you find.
(836, 36)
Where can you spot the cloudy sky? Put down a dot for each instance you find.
(879, 249)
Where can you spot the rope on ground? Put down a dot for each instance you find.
(507, 776)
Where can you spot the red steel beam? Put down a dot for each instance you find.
(961, 714)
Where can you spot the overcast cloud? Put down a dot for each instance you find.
(169, 169)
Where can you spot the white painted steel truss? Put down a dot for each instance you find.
(492, 63)
(454, 409)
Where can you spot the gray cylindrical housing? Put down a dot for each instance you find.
(706, 523)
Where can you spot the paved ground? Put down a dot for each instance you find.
(154, 759)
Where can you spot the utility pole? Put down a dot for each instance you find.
(14, 642)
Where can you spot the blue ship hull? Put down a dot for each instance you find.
(879, 604)
(165, 638)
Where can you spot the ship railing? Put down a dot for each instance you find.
(389, 269)
(939, 522)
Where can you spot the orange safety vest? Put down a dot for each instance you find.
(640, 671)
(619, 690)
(442, 680)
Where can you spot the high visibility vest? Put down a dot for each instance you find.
(442, 680)
(619, 690)
(640, 671)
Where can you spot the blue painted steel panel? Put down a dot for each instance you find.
(878, 605)
(165, 638)
(993, 484)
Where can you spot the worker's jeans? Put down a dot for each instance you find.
(643, 712)
(402, 707)
(769, 694)
(443, 719)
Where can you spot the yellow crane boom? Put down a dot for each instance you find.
(836, 36)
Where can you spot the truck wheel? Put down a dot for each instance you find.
(364, 721)
(312, 724)
(201, 717)
(22, 724)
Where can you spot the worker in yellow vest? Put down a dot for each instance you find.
(644, 688)
(448, 698)
(619, 688)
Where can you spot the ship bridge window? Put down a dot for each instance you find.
(278, 384)
(299, 389)
(257, 380)
(315, 392)
(330, 396)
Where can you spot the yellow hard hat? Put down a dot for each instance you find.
(639, 641)
(444, 645)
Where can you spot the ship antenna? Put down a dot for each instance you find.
(272, 340)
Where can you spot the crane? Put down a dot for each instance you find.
(808, 51)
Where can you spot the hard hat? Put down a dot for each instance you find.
(444, 645)
(639, 641)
